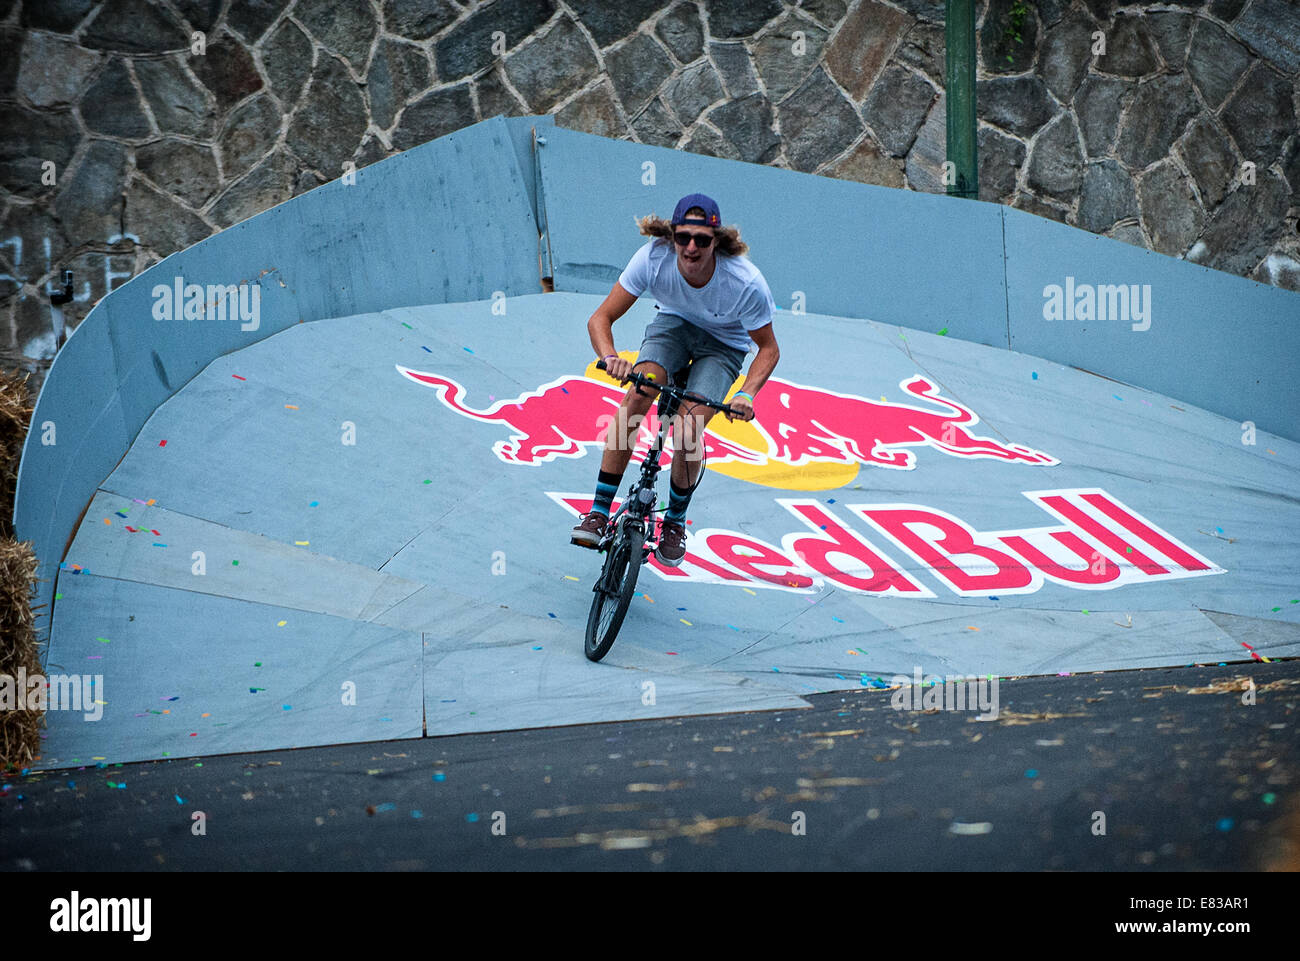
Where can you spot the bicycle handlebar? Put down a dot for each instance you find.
(641, 380)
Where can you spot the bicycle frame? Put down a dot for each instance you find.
(628, 530)
(670, 399)
(643, 508)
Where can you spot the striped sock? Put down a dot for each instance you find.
(606, 488)
(678, 500)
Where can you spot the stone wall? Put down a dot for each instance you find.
(126, 138)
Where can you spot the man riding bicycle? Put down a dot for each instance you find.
(712, 301)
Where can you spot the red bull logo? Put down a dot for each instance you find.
(827, 435)
(808, 424)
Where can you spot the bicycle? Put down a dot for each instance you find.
(626, 542)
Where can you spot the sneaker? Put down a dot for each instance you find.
(590, 531)
(672, 544)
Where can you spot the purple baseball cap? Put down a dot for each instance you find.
(711, 216)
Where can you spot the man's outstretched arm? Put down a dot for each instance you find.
(759, 370)
(764, 361)
(601, 328)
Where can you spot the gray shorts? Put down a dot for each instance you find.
(674, 343)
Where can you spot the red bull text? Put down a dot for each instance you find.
(1100, 544)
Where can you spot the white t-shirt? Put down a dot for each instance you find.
(735, 301)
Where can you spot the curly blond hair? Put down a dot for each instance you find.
(726, 239)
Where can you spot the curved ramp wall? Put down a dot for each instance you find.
(451, 220)
(977, 271)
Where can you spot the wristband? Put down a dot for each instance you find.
(741, 393)
(608, 356)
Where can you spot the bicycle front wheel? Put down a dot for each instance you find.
(614, 592)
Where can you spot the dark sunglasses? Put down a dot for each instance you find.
(702, 241)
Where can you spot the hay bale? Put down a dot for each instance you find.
(15, 416)
(19, 729)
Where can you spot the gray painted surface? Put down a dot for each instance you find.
(472, 578)
(153, 644)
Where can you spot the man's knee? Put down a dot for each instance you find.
(696, 418)
(691, 429)
(638, 400)
(635, 404)
(650, 369)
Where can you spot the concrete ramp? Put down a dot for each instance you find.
(357, 529)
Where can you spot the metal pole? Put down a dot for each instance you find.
(959, 41)
(57, 300)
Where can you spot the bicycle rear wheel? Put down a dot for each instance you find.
(614, 590)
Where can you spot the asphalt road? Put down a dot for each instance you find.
(1186, 776)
